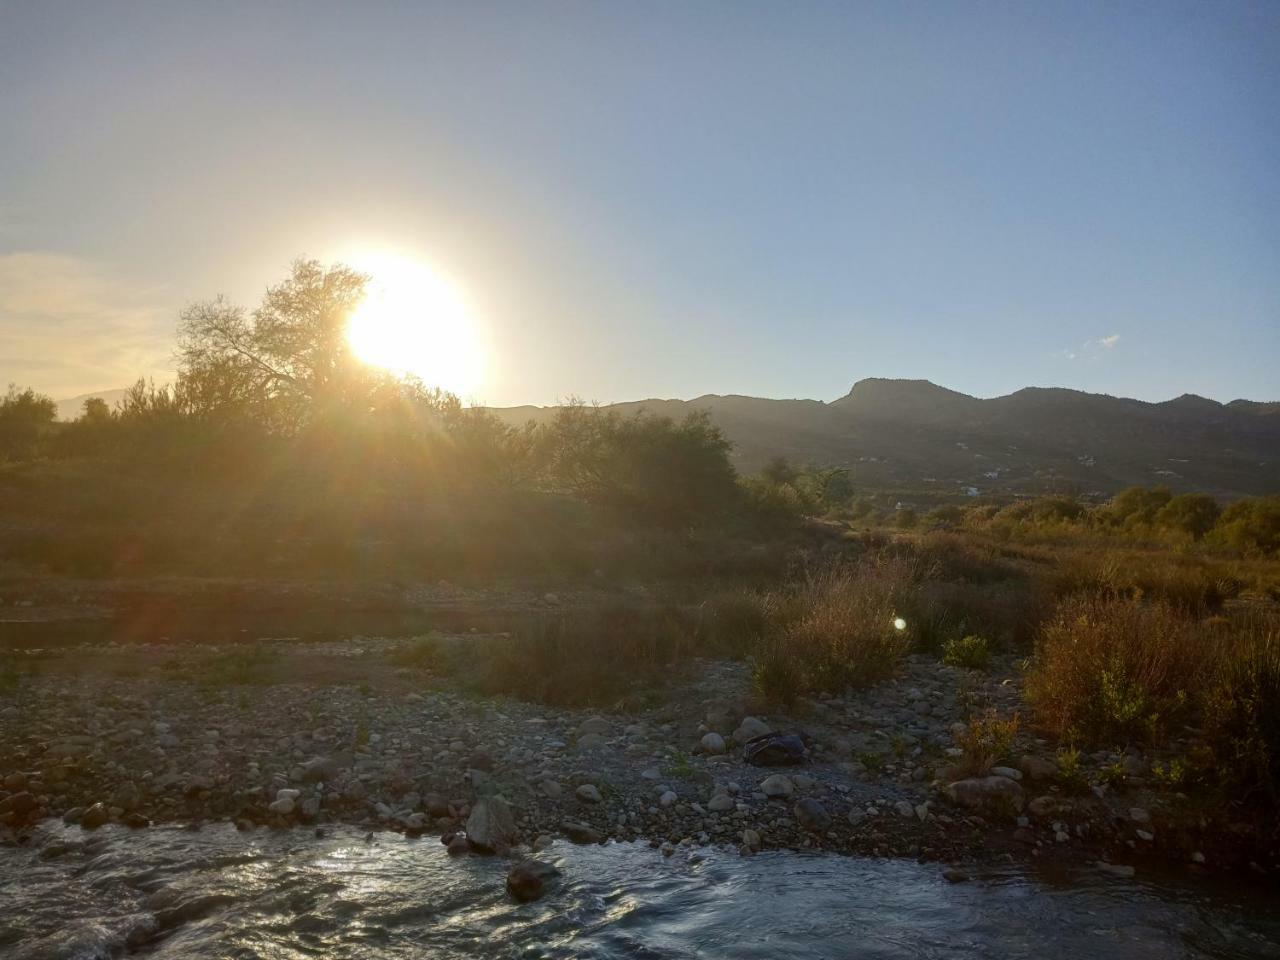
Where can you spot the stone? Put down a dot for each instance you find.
(777, 786)
(580, 833)
(750, 728)
(1134, 766)
(1116, 869)
(592, 741)
(491, 828)
(320, 769)
(713, 744)
(20, 804)
(458, 846)
(1038, 768)
(952, 875)
(751, 839)
(1009, 772)
(998, 795)
(530, 879)
(720, 803)
(1047, 806)
(127, 796)
(904, 809)
(812, 815)
(284, 806)
(1139, 815)
(550, 788)
(595, 725)
(668, 799)
(15, 782)
(94, 817)
(588, 793)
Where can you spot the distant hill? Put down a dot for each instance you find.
(72, 407)
(914, 434)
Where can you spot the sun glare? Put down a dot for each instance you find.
(414, 321)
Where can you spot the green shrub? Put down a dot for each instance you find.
(1242, 711)
(986, 739)
(1070, 774)
(972, 651)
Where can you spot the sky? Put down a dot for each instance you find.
(663, 199)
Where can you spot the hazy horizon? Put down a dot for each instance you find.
(662, 201)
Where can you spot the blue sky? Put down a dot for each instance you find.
(665, 199)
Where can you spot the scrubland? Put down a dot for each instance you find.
(1146, 626)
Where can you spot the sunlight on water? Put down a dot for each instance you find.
(218, 893)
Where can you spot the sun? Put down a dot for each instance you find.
(413, 321)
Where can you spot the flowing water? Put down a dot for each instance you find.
(166, 892)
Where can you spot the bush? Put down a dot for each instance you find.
(1251, 525)
(1192, 514)
(841, 633)
(972, 651)
(1242, 711)
(987, 739)
(673, 474)
(735, 621)
(1191, 585)
(584, 657)
(25, 418)
(1108, 669)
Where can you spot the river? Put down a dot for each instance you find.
(168, 892)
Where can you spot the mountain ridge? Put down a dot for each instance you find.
(916, 434)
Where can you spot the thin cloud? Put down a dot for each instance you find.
(69, 326)
(1093, 349)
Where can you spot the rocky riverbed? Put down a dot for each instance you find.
(338, 733)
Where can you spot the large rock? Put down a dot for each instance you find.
(713, 744)
(580, 832)
(1038, 768)
(320, 769)
(812, 815)
(588, 793)
(994, 795)
(594, 725)
(530, 879)
(20, 804)
(95, 816)
(777, 786)
(491, 828)
(750, 728)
